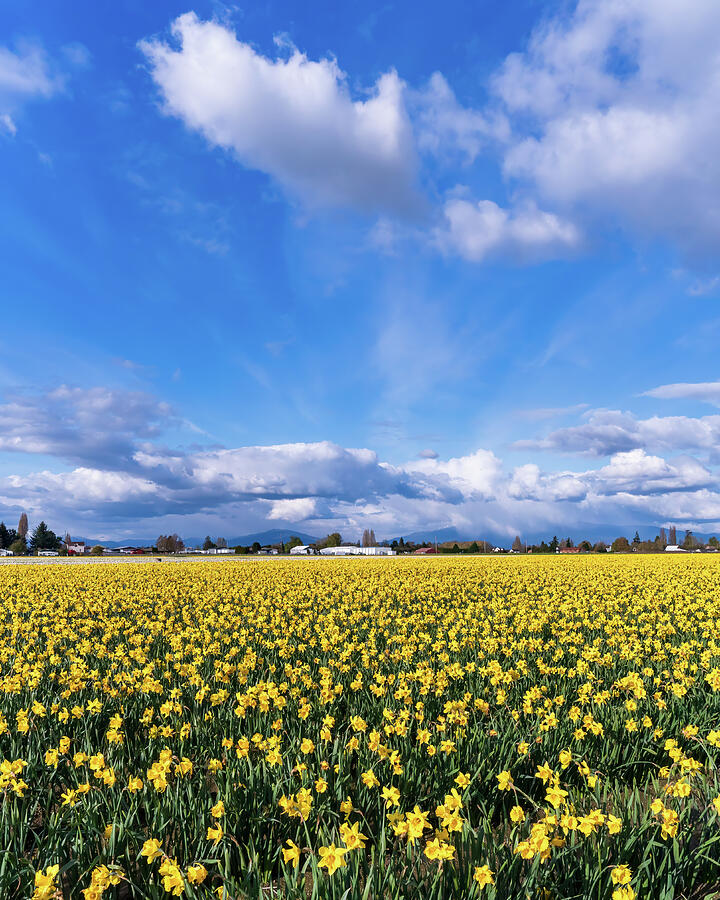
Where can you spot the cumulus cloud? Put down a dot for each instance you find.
(324, 485)
(293, 118)
(482, 229)
(296, 510)
(706, 391)
(124, 475)
(614, 110)
(610, 431)
(95, 426)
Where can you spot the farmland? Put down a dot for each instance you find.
(526, 727)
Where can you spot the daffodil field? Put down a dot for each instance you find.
(362, 728)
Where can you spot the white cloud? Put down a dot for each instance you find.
(444, 127)
(550, 412)
(292, 118)
(636, 472)
(478, 230)
(610, 431)
(93, 426)
(615, 109)
(296, 510)
(124, 479)
(475, 475)
(330, 487)
(25, 73)
(707, 392)
(7, 123)
(82, 488)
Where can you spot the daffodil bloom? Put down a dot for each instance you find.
(196, 874)
(151, 849)
(45, 883)
(352, 837)
(215, 834)
(332, 858)
(291, 853)
(505, 782)
(484, 875)
(621, 875)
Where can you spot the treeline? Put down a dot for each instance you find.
(17, 541)
(622, 545)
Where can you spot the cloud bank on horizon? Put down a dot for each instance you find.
(318, 279)
(136, 482)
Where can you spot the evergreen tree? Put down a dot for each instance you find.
(44, 539)
(636, 539)
(4, 537)
(554, 544)
(208, 543)
(517, 544)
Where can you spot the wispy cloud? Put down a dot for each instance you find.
(705, 391)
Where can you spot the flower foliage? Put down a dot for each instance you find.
(373, 727)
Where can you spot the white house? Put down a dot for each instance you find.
(301, 550)
(673, 548)
(351, 550)
(47, 553)
(6, 552)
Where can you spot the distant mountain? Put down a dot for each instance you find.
(585, 531)
(272, 536)
(439, 534)
(127, 542)
(589, 531)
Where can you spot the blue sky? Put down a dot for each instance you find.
(352, 265)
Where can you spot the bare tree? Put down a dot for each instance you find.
(672, 539)
(22, 528)
(221, 543)
(517, 544)
(663, 538)
(170, 543)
